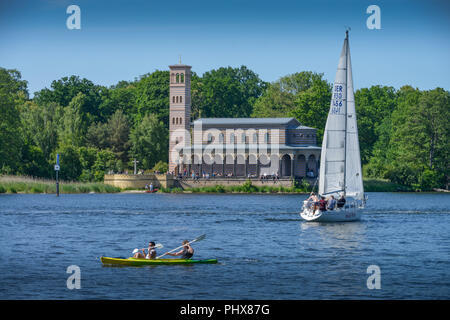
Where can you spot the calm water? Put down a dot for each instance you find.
(264, 249)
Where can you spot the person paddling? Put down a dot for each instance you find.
(139, 254)
(151, 251)
(186, 252)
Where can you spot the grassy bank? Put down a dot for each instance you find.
(370, 185)
(381, 185)
(246, 187)
(17, 184)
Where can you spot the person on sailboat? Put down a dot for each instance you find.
(322, 204)
(331, 203)
(341, 201)
(313, 201)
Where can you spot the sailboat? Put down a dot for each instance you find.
(340, 163)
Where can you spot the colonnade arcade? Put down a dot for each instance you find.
(293, 164)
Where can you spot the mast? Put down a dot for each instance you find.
(345, 113)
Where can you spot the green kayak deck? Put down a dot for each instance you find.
(145, 262)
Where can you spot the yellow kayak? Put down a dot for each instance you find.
(145, 262)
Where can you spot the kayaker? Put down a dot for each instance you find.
(186, 253)
(151, 251)
(139, 254)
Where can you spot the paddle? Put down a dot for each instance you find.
(203, 236)
(157, 246)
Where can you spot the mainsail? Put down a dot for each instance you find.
(340, 163)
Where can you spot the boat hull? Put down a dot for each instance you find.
(348, 213)
(147, 262)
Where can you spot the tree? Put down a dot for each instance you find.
(312, 101)
(373, 105)
(105, 161)
(13, 92)
(227, 93)
(118, 135)
(152, 96)
(74, 125)
(275, 102)
(149, 142)
(63, 91)
(303, 95)
(87, 156)
(40, 125)
(119, 97)
(34, 162)
(70, 163)
(97, 136)
(418, 149)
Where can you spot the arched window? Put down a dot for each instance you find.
(232, 138)
(209, 137)
(221, 138)
(182, 78)
(181, 120)
(173, 99)
(181, 99)
(266, 137)
(173, 120)
(172, 78)
(177, 120)
(243, 138)
(178, 78)
(255, 138)
(177, 99)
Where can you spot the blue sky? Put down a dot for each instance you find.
(121, 40)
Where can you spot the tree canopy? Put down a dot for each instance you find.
(403, 132)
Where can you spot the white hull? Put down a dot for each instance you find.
(351, 212)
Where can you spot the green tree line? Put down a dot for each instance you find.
(97, 129)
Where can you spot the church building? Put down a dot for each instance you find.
(235, 147)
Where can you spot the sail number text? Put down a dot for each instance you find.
(337, 102)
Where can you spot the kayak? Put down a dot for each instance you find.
(146, 262)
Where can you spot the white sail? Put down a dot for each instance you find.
(340, 164)
(353, 175)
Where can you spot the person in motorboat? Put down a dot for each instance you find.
(151, 252)
(186, 252)
(341, 201)
(322, 204)
(331, 203)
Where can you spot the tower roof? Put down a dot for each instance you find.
(179, 66)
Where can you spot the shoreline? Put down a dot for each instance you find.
(28, 185)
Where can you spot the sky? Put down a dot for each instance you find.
(122, 40)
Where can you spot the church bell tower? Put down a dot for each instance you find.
(180, 110)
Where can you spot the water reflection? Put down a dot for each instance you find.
(339, 235)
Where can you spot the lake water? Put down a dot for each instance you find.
(265, 250)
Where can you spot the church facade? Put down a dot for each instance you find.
(235, 147)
